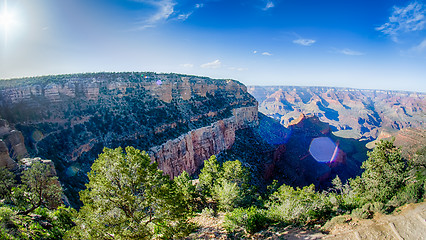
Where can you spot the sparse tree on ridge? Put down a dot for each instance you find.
(38, 188)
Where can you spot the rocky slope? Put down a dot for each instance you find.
(351, 113)
(180, 120)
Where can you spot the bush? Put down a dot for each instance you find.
(335, 221)
(227, 184)
(7, 181)
(367, 211)
(298, 206)
(5, 214)
(412, 193)
(208, 212)
(251, 220)
(227, 194)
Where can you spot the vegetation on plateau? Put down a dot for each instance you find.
(128, 197)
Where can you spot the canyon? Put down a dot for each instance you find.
(351, 113)
(179, 120)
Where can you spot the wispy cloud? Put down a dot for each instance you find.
(213, 65)
(255, 51)
(350, 52)
(185, 16)
(267, 54)
(304, 42)
(165, 11)
(269, 4)
(405, 19)
(418, 50)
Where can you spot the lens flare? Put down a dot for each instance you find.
(37, 135)
(323, 149)
(72, 171)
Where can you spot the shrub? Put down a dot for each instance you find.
(5, 214)
(411, 193)
(335, 221)
(7, 181)
(367, 211)
(250, 219)
(208, 212)
(226, 185)
(291, 205)
(227, 194)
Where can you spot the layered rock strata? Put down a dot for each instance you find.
(352, 113)
(12, 146)
(188, 152)
(180, 120)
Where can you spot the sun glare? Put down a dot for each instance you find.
(7, 20)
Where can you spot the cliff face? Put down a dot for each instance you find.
(12, 146)
(351, 113)
(189, 151)
(181, 120)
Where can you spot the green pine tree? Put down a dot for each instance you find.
(128, 197)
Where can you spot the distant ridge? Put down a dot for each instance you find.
(354, 113)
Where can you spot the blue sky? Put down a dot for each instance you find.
(363, 44)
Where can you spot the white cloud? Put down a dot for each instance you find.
(164, 9)
(254, 52)
(350, 52)
(406, 19)
(215, 64)
(183, 17)
(266, 54)
(269, 4)
(187, 65)
(304, 42)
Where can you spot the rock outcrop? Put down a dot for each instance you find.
(351, 113)
(12, 146)
(180, 120)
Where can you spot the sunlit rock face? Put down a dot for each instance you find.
(351, 113)
(179, 120)
(12, 146)
(188, 152)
